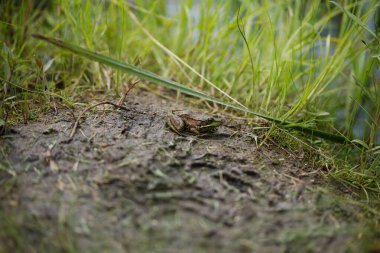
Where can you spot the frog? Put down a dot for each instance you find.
(185, 121)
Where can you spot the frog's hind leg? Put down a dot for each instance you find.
(179, 123)
(195, 131)
(177, 132)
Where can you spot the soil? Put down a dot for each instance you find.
(126, 183)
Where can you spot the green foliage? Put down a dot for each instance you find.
(153, 78)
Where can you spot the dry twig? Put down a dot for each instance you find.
(118, 105)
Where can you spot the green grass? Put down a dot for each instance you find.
(19, 233)
(306, 69)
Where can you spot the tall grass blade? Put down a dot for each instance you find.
(176, 58)
(154, 78)
(356, 20)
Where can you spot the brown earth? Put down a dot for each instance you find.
(125, 183)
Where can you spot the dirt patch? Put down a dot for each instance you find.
(125, 183)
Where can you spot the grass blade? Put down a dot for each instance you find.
(154, 78)
(356, 20)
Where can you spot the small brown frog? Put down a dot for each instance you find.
(182, 121)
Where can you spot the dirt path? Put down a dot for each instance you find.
(125, 183)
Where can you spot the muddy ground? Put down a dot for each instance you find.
(126, 183)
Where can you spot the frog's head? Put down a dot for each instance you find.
(210, 124)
